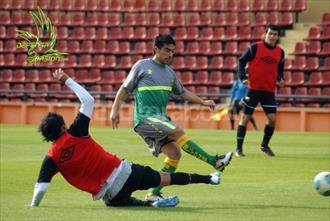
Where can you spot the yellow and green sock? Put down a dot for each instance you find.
(170, 166)
(195, 150)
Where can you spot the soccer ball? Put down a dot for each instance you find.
(322, 183)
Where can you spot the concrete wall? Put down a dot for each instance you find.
(192, 116)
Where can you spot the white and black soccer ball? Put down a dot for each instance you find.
(322, 183)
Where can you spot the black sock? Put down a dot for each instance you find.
(254, 123)
(186, 178)
(232, 122)
(241, 130)
(268, 133)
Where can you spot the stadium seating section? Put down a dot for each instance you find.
(104, 38)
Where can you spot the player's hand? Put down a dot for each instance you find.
(246, 81)
(115, 119)
(209, 103)
(281, 83)
(59, 75)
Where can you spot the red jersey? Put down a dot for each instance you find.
(263, 68)
(83, 162)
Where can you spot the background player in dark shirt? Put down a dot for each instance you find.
(88, 167)
(266, 62)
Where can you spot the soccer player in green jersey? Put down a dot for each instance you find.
(153, 81)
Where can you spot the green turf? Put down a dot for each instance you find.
(253, 188)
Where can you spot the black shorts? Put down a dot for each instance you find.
(141, 178)
(266, 99)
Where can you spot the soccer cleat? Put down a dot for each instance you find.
(215, 178)
(267, 151)
(239, 153)
(170, 201)
(153, 197)
(222, 161)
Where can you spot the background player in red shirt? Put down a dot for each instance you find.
(88, 167)
(266, 63)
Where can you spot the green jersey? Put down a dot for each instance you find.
(152, 85)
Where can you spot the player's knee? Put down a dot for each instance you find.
(172, 152)
(178, 132)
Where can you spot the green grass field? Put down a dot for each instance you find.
(253, 188)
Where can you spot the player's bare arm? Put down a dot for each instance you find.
(189, 96)
(120, 98)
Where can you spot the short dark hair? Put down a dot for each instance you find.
(51, 126)
(161, 40)
(273, 28)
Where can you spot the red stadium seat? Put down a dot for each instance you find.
(9, 59)
(230, 63)
(312, 63)
(90, 32)
(153, 6)
(128, 6)
(326, 78)
(297, 79)
(98, 61)
(103, 5)
(190, 62)
(125, 62)
(230, 33)
(179, 5)
(216, 63)
(140, 33)
(179, 20)
(302, 91)
(192, 48)
(85, 60)
(115, 6)
(129, 20)
(152, 32)
(287, 91)
(272, 18)
(91, 20)
(299, 6)
(71, 61)
(300, 48)
(258, 5)
(153, 20)
(271, 5)
(100, 46)
(244, 33)
(325, 35)
(179, 47)
(73, 47)
(215, 78)
(205, 5)
(140, 48)
(314, 33)
(214, 90)
(53, 5)
(19, 76)
(257, 33)
(21, 59)
(32, 76)
(231, 19)
(178, 63)
(194, 20)
(166, 6)
(205, 47)
(243, 6)
(116, 33)
(325, 19)
(230, 48)
(79, 5)
(10, 46)
(107, 77)
(78, 33)
(6, 76)
(219, 20)
(187, 78)
(77, 19)
(192, 33)
(91, 5)
(286, 20)
(242, 47)
(112, 20)
(201, 63)
(139, 5)
(124, 47)
(87, 46)
(325, 51)
(315, 79)
(326, 65)
(227, 79)
(29, 5)
(64, 19)
(206, 33)
(181, 33)
(5, 18)
(218, 5)
(129, 33)
(110, 61)
(286, 5)
(192, 6)
(243, 19)
(201, 78)
(102, 33)
(231, 6)
(299, 63)
(16, 18)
